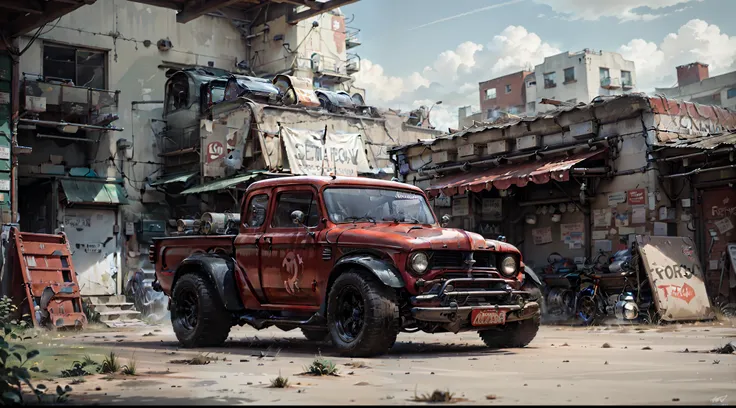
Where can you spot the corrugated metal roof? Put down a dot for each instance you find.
(175, 178)
(502, 177)
(92, 192)
(705, 142)
(222, 184)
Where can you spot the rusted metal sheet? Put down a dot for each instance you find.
(676, 278)
(44, 282)
(503, 177)
(680, 120)
(224, 142)
(297, 91)
(704, 142)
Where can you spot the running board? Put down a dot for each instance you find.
(315, 321)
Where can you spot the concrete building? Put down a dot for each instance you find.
(504, 94)
(572, 78)
(589, 178)
(107, 64)
(695, 84)
(467, 118)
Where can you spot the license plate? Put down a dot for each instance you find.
(487, 317)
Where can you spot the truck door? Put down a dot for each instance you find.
(289, 255)
(247, 250)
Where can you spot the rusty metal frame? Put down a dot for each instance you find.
(43, 275)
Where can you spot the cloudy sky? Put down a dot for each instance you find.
(416, 52)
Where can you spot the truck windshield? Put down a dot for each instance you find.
(376, 205)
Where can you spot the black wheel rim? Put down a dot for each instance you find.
(349, 314)
(587, 309)
(187, 309)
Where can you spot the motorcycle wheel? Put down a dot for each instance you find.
(587, 310)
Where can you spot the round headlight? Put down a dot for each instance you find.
(508, 266)
(419, 262)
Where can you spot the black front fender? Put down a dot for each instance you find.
(221, 272)
(529, 273)
(385, 271)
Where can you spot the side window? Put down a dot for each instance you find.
(256, 215)
(286, 203)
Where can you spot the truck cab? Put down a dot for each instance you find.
(354, 261)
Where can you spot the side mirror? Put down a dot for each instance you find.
(445, 220)
(298, 217)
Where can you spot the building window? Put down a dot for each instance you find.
(81, 66)
(626, 79)
(491, 93)
(550, 80)
(531, 106)
(508, 89)
(605, 77)
(569, 75)
(531, 84)
(731, 93)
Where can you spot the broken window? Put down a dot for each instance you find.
(550, 80)
(570, 74)
(508, 88)
(83, 67)
(491, 93)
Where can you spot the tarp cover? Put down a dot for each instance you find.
(676, 277)
(502, 177)
(343, 153)
(91, 192)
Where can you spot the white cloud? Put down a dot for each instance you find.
(624, 10)
(454, 75)
(695, 41)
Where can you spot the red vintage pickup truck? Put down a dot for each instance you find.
(351, 260)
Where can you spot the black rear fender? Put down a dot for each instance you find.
(220, 270)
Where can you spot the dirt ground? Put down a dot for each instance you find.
(563, 365)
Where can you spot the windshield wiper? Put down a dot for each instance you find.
(363, 218)
(405, 219)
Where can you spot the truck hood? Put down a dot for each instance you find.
(413, 237)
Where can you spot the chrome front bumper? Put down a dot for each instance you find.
(454, 314)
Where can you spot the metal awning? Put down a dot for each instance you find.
(221, 184)
(93, 192)
(173, 178)
(502, 177)
(703, 142)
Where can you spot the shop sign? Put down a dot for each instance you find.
(638, 196)
(460, 207)
(492, 208)
(442, 201)
(676, 276)
(616, 198)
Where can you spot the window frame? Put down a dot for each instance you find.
(169, 94)
(508, 88)
(77, 49)
(553, 81)
(729, 95)
(495, 93)
(292, 226)
(630, 83)
(246, 207)
(572, 79)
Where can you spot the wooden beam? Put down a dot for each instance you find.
(169, 4)
(27, 6)
(53, 11)
(206, 6)
(324, 7)
(312, 4)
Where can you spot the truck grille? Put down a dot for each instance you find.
(456, 259)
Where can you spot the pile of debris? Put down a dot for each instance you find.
(210, 223)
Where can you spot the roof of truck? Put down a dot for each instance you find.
(320, 182)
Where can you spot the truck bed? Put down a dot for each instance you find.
(170, 251)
